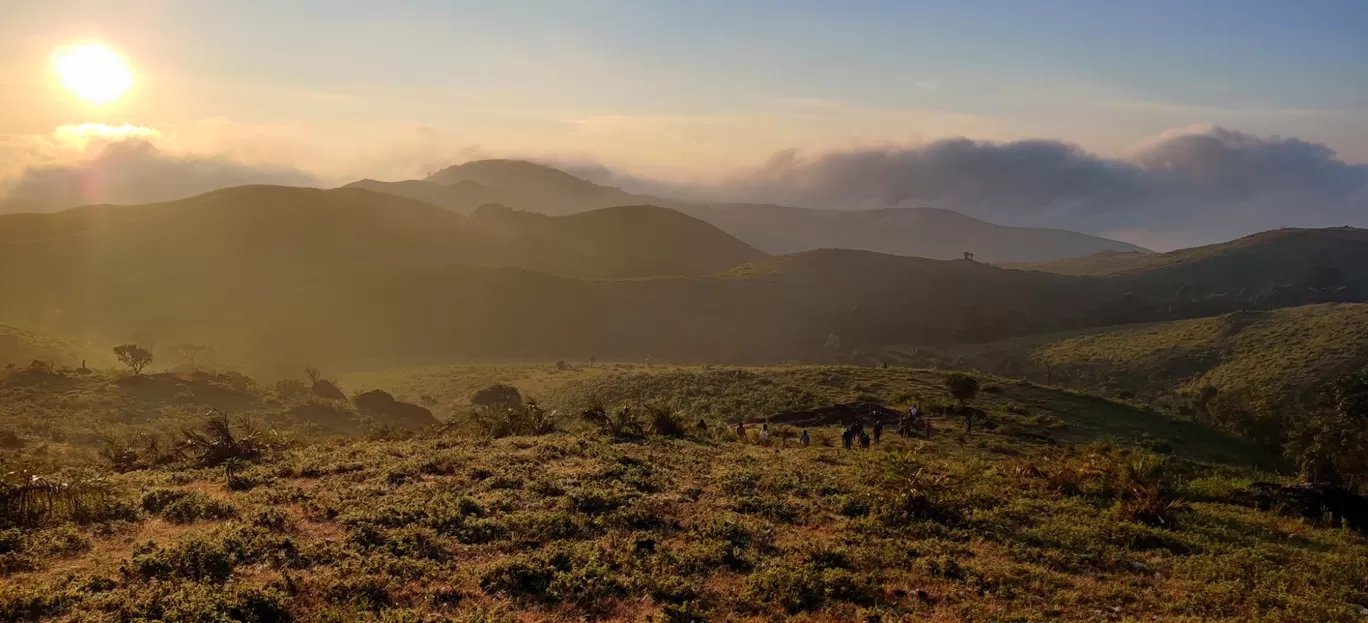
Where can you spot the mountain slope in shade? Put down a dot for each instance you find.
(918, 232)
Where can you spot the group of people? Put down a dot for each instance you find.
(912, 421)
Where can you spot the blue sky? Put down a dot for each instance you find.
(822, 74)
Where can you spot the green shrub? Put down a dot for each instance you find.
(197, 506)
(197, 559)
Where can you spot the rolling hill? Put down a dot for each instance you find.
(302, 275)
(295, 226)
(918, 232)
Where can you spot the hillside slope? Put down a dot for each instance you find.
(1271, 354)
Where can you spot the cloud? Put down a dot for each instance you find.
(1195, 183)
(95, 163)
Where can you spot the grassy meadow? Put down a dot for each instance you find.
(1073, 507)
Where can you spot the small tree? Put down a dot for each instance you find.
(1329, 443)
(192, 354)
(133, 356)
(312, 373)
(962, 387)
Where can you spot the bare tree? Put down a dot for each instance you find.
(193, 354)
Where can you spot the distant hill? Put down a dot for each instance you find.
(462, 197)
(20, 347)
(1273, 269)
(917, 232)
(539, 188)
(624, 241)
(299, 226)
(1292, 253)
(1271, 354)
(920, 232)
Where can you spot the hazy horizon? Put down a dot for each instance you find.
(1162, 124)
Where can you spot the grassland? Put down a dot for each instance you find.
(1273, 353)
(1072, 507)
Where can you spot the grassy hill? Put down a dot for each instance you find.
(1269, 353)
(575, 526)
(20, 347)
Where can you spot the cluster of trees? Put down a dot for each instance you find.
(1323, 433)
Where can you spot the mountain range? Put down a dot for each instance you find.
(917, 232)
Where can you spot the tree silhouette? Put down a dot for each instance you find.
(133, 356)
(962, 387)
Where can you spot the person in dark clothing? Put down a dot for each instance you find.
(805, 439)
(927, 422)
(968, 421)
(847, 436)
(878, 431)
(864, 440)
(702, 425)
(741, 430)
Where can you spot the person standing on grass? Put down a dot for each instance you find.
(702, 425)
(847, 436)
(804, 439)
(864, 440)
(927, 422)
(878, 431)
(764, 432)
(741, 430)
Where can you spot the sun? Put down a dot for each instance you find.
(93, 72)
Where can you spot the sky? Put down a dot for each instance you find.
(706, 94)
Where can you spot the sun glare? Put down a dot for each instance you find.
(93, 72)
